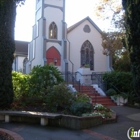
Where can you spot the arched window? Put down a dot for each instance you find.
(87, 53)
(53, 31)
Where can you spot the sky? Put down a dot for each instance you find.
(76, 10)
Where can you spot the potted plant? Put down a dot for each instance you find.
(121, 98)
(118, 98)
(111, 93)
(87, 66)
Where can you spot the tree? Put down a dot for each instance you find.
(132, 27)
(7, 48)
(112, 41)
(111, 10)
(122, 62)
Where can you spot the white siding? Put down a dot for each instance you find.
(54, 2)
(77, 37)
(53, 15)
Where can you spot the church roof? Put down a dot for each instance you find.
(80, 22)
(21, 47)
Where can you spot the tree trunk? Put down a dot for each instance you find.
(7, 48)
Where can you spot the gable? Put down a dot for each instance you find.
(71, 28)
(85, 31)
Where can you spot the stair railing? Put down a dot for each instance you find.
(84, 84)
(72, 80)
(100, 81)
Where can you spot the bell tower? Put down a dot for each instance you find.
(49, 34)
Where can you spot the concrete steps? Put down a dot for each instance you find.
(95, 96)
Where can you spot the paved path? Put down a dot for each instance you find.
(127, 117)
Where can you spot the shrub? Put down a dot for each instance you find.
(121, 80)
(82, 97)
(100, 107)
(111, 92)
(59, 98)
(79, 108)
(20, 84)
(43, 77)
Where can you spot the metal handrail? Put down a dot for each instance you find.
(84, 84)
(90, 91)
(82, 74)
(116, 88)
(73, 80)
(101, 81)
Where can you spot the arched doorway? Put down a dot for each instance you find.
(53, 56)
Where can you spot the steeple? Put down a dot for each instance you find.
(49, 34)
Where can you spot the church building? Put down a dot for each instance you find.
(67, 48)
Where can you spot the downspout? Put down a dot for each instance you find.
(69, 57)
(64, 10)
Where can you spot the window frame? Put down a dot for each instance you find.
(53, 31)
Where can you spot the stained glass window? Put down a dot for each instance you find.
(53, 31)
(87, 54)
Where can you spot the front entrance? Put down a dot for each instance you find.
(53, 56)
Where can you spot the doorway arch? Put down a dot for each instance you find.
(53, 56)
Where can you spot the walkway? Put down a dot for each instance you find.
(127, 117)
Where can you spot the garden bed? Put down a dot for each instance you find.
(67, 121)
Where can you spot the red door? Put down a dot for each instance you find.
(53, 56)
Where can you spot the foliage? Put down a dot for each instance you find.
(81, 97)
(121, 95)
(120, 81)
(43, 77)
(17, 2)
(132, 41)
(111, 92)
(100, 107)
(81, 104)
(59, 98)
(122, 62)
(103, 111)
(79, 108)
(20, 84)
(112, 42)
(111, 10)
(87, 66)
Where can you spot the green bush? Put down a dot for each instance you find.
(79, 108)
(43, 77)
(119, 80)
(81, 97)
(111, 92)
(59, 98)
(20, 84)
